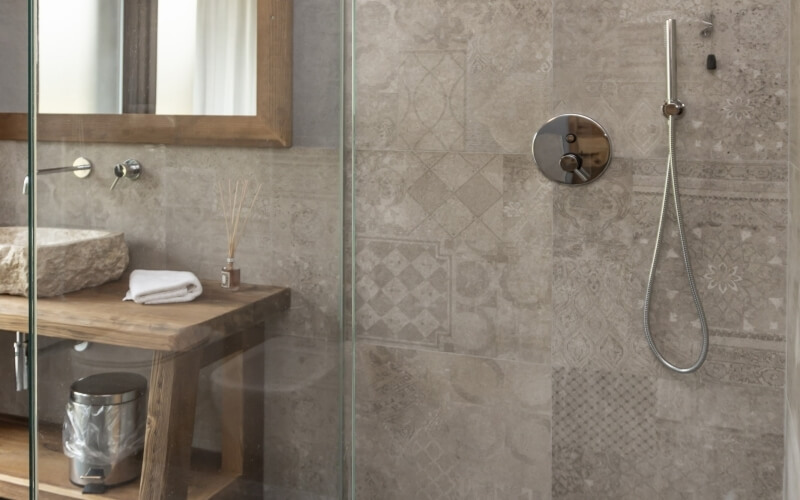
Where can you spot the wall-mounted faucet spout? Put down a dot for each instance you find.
(80, 167)
(56, 170)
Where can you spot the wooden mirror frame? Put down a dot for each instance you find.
(270, 127)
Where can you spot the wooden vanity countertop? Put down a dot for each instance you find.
(99, 315)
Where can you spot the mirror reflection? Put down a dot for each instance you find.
(198, 57)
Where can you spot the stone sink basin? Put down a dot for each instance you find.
(68, 259)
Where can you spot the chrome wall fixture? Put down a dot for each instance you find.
(672, 106)
(708, 25)
(131, 169)
(572, 149)
(673, 109)
(21, 361)
(81, 168)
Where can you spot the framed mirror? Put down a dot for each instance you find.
(270, 125)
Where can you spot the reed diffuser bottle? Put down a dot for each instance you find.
(231, 277)
(232, 207)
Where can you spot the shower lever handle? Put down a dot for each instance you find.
(573, 164)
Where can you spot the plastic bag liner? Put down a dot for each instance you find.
(104, 434)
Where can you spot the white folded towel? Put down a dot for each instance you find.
(163, 287)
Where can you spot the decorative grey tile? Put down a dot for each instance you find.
(431, 24)
(505, 58)
(793, 328)
(384, 203)
(431, 101)
(794, 70)
(431, 196)
(429, 191)
(527, 205)
(792, 402)
(453, 216)
(705, 402)
(478, 195)
(735, 222)
(603, 440)
(505, 110)
(791, 484)
(618, 436)
(595, 220)
(744, 365)
(540, 257)
(434, 426)
(594, 287)
(494, 313)
(604, 54)
(455, 170)
(403, 292)
(376, 120)
(451, 299)
(594, 327)
(699, 462)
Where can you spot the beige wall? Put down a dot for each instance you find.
(792, 425)
(13, 56)
(499, 346)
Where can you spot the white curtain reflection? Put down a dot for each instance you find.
(80, 63)
(226, 69)
(176, 55)
(207, 57)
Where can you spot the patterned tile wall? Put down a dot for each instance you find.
(792, 421)
(437, 425)
(735, 219)
(465, 254)
(444, 258)
(608, 63)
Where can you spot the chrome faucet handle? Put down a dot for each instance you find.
(131, 169)
(119, 174)
(573, 164)
(26, 184)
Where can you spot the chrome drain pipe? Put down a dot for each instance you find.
(21, 361)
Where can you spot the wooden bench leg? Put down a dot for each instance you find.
(243, 416)
(253, 414)
(170, 425)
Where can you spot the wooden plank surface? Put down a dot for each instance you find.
(99, 315)
(53, 466)
(205, 481)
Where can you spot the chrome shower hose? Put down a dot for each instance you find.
(671, 183)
